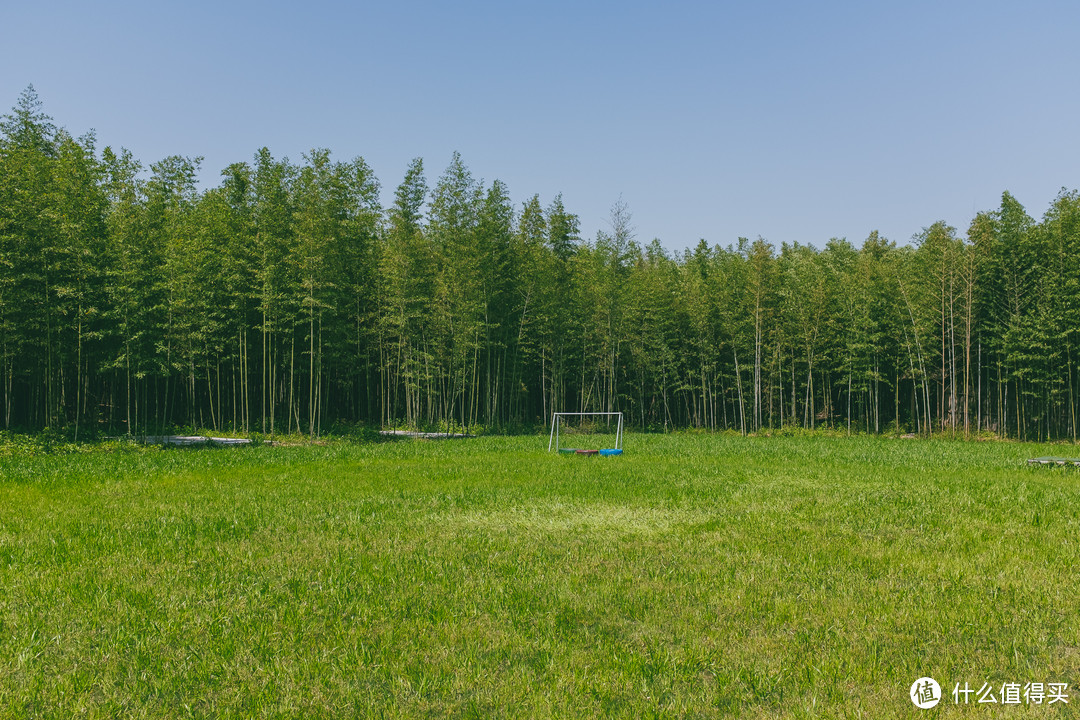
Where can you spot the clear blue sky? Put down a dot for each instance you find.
(795, 121)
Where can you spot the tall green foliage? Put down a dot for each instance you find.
(286, 298)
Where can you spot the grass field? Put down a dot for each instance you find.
(695, 576)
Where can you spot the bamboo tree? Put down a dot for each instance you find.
(494, 236)
(79, 204)
(28, 259)
(406, 271)
(272, 211)
(457, 317)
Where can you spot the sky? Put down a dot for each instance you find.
(792, 121)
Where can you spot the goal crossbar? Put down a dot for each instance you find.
(553, 438)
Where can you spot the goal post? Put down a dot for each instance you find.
(557, 436)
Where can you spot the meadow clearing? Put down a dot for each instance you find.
(695, 576)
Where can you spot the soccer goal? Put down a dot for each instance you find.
(589, 433)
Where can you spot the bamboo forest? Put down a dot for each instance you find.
(288, 300)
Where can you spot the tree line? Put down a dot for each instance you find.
(286, 299)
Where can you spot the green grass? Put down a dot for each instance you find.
(695, 576)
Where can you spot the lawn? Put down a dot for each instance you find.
(695, 576)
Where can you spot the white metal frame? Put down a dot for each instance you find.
(553, 439)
